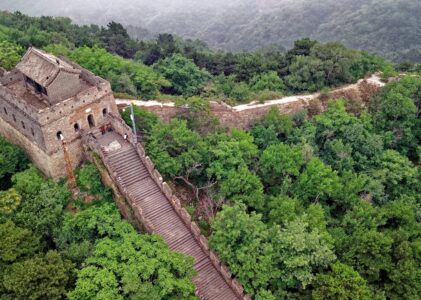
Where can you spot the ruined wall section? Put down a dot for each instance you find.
(244, 116)
(10, 77)
(11, 112)
(229, 117)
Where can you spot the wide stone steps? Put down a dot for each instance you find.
(136, 180)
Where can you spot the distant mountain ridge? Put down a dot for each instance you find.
(386, 27)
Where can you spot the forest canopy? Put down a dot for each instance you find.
(169, 67)
(390, 28)
(319, 204)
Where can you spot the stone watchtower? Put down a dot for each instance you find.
(46, 99)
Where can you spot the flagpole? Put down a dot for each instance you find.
(133, 123)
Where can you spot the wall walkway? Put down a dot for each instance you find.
(160, 212)
(243, 116)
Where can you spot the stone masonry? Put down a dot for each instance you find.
(46, 99)
(245, 115)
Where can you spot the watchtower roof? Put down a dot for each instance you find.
(42, 67)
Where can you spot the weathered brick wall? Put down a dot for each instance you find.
(6, 96)
(244, 116)
(37, 156)
(66, 123)
(36, 131)
(231, 118)
(22, 122)
(9, 77)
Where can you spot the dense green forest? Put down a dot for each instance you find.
(327, 207)
(390, 28)
(303, 206)
(169, 66)
(52, 247)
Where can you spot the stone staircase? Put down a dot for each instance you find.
(149, 200)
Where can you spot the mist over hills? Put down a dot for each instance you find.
(389, 27)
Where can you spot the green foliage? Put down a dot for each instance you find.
(306, 74)
(285, 255)
(9, 201)
(199, 116)
(10, 54)
(300, 251)
(57, 50)
(337, 62)
(283, 209)
(89, 180)
(395, 110)
(28, 183)
(144, 119)
(93, 223)
(345, 141)
(236, 235)
(231, 152)
(242, 185)
(185, 77)
(240, 92)
(341, 283)
(397, 174)
(12, 160)
(273, 127)
(17, 243)
(43, 202)
(235, 26)
(280, 163)
(267, 81)
(138, 78)
(317, 182)
(173, 147)
(38, 277)
(113, 271)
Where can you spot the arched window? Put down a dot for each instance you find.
(91, 121)
(5, 110)
(59, 135)
(23, 125)
(76, 127)
(104, 112)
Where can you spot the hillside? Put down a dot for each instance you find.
(390, 28)
(320, 203)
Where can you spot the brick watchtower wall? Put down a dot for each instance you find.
(33, 124)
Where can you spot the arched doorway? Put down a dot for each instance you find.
(91, 121)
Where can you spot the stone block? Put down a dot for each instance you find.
(185, 216)
(204, 243)
(157, 177)
(236, 286)
(141, 150)
(195, 229)
(176, 202)
(214, 258)
(226, 272)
